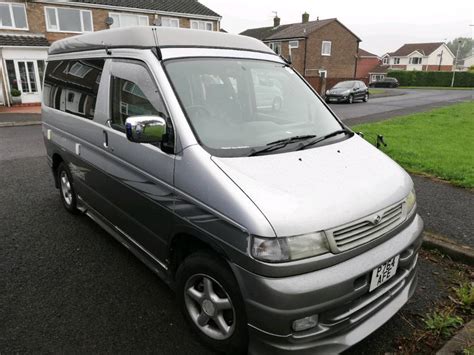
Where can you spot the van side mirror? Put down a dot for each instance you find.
(145, 129)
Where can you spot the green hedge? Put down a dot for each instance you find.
(432, 78)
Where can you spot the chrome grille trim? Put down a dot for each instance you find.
(366, 229)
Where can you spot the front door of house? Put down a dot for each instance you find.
(28, 79)
(24, 75)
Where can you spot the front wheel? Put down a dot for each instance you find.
(350, 100)
(212, 303)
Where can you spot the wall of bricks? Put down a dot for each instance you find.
(37, 20)
(342, 61)
(365, 65)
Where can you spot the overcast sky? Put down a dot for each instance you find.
(383, 26)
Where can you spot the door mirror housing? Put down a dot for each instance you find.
(145, 129)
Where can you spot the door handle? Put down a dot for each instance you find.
(106, 139)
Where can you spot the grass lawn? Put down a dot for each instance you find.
(376, 91)
(439, 143)
(434, 88)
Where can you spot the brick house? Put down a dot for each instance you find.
(28, 27)
(321, 48)
(366, 61)
(420, 56)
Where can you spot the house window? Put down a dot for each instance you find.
(293, 44)
(396, 60)
(376, 77)
(275, 46)
(79, 70)
(128, 20)
(169, 22)
(60, 19)
(415, 60)
(323, 73)
(202, 25)
(13, 16)
(385, 60)
(326, 48)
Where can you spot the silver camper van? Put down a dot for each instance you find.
(216, 164)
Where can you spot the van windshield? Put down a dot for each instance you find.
(238, 105)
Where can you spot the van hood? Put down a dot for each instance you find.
(321, 187)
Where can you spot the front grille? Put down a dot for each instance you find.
(366, 229)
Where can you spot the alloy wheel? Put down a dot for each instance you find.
(209, 306)
(66, 189)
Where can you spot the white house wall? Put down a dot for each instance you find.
(447, 59)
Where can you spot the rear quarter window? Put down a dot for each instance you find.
(72, 86)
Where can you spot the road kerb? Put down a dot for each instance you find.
(19, 124)
(457, 252)
(462, 340)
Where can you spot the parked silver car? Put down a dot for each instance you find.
(279, 229)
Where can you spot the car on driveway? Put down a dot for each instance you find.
(348, 91)
(385, 83)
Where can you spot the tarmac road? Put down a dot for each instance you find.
(408, 101)
(67, 286)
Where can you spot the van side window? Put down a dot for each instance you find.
(128, 100)
(55, 84)
(72, 86)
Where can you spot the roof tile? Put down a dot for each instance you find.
(193, 7)
(14, 40)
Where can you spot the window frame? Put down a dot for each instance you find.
(418, 59)
(273, 45)
(322, 48)
(170, 19)
(120, 14)
(396, 61)
(12, 18)
(292, 46)
(58, 30)
(200, 21)
(321, 71)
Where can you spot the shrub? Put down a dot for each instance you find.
(15, 92)
(432, 78)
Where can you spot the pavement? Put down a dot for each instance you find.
(69, 287)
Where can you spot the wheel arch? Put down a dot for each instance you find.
(57, 160)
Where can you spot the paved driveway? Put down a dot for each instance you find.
(68, 286)
(409, 101)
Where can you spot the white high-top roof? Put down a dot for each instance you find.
(152, 37)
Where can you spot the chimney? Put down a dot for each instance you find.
(305, 17)
(276, 21)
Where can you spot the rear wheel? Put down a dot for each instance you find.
(212, 304)
(66, 189)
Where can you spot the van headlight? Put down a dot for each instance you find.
(289, 248)
(411, 201)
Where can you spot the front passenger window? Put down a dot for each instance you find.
(128, 100)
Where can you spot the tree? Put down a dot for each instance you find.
(465, 49)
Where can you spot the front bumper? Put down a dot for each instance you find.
(336, 98)
(338, 295)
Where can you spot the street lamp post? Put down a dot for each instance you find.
(455, 63)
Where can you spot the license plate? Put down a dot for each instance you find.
(384, 272)
(332, 100)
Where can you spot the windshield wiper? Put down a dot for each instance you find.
(333, 134)
(281, 143)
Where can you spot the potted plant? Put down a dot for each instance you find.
(16, 96)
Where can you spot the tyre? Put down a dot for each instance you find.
(211, 302)
(66, 188)
(366, 97)
(350, 100)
